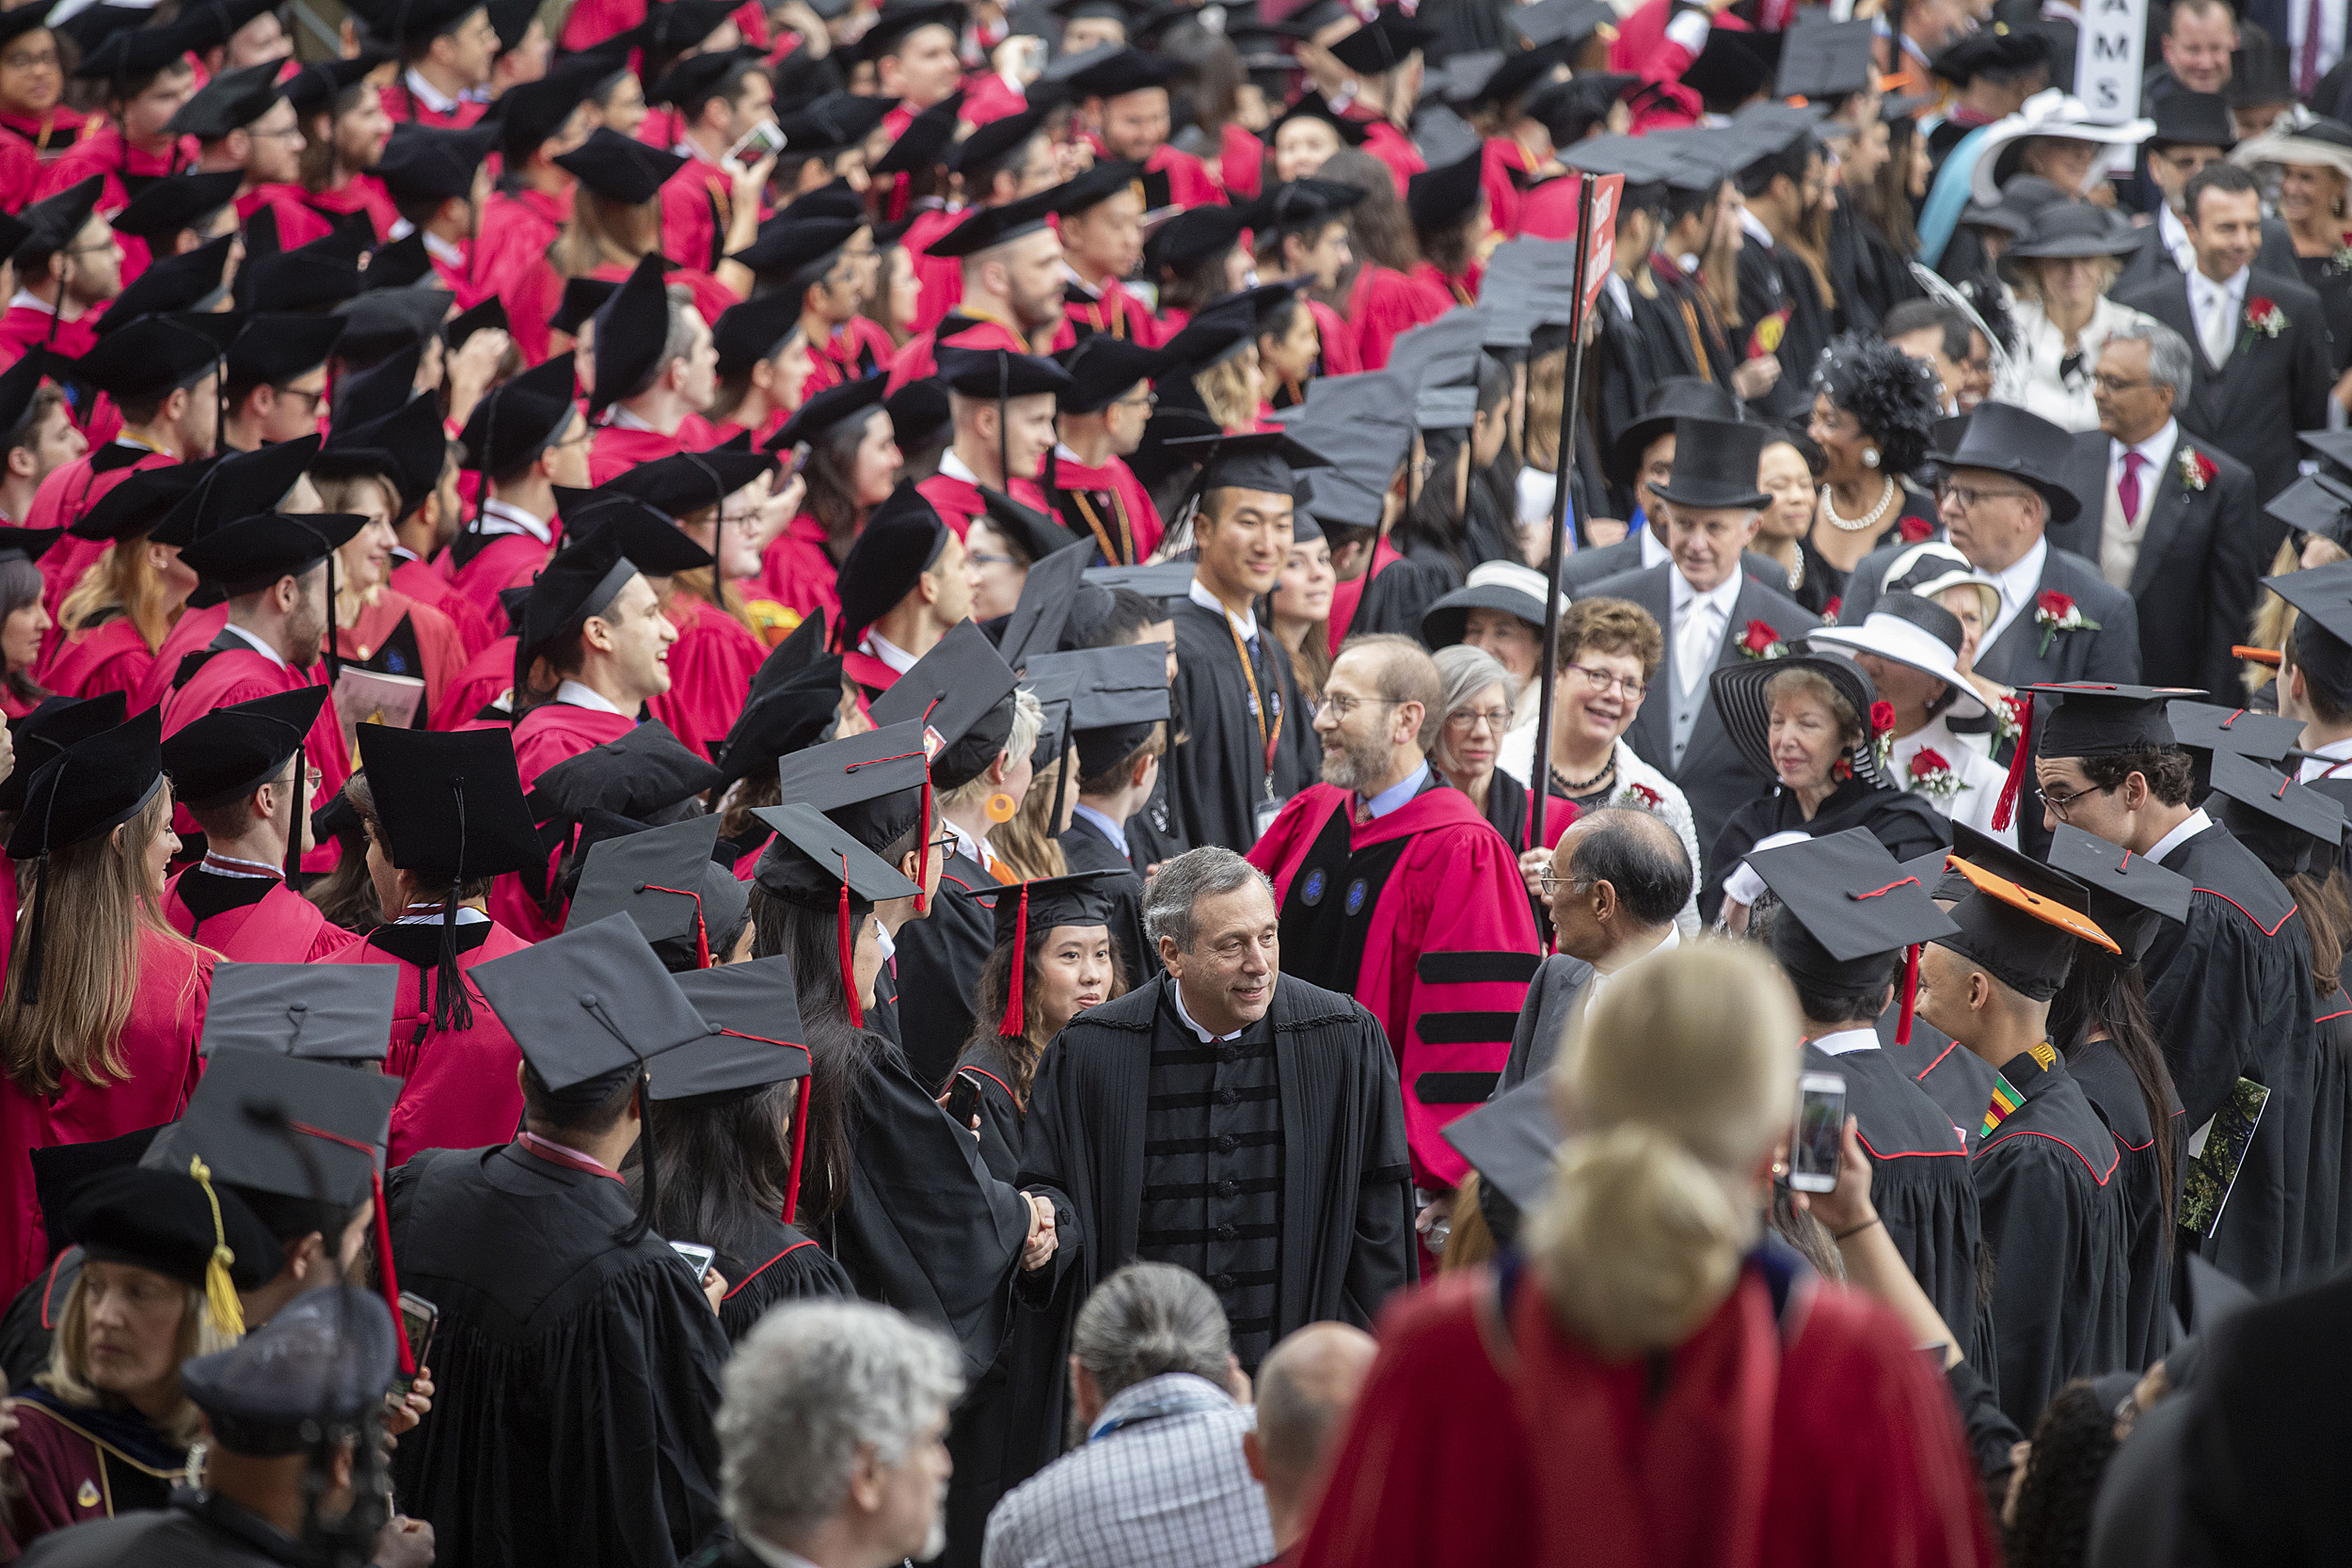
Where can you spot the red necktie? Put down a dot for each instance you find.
(2306, 69)
(2128, 488)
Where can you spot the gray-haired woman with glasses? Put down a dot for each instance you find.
(1474, 716)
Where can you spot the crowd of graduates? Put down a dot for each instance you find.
(674, 663)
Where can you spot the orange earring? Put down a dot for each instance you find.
(1001, 806)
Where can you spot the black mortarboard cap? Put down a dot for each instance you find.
(235, 750)
(54, 220)
(1511, 1141)
(408, 447)
(2130, 894)
(24, 19)
(874, 786)
(1569, 20)
(412, 21)
(279, 349)
(582, 297)
(157, 355)
(959, 693)
(832, 124)
(58, 1169)
(918, 414)
(793, 255)
(534, 113)
(57, 723)
(753, 331)
(1124, 72)
(1192, 238)
(755, 1016)
(174, 1224)
(2023, 932)
(813, 858)
(695, 78)
(1314, 106)
(189, 281)
(1304, 204)
(1383, 43)
(922, 144)
(901, 538)
(999, 138)
(2212, 727)
(451, 803)
(893, 21)
(593, 1001)
(1120, 694)
(686, 482)
(517, 420)
(229, 101)
(28, 543)
(130, 48)
(1036, 535)
(642, 774)
(796, 710)
(620, 167)
(1048, 593)
(384, 321)
(2093, 717)
(1260, 460)
(248, 555)
(823, 412)
(490, 315)
(2289, 828)
(1825, 58)
(2315, 504)
(401, 264)
(1102, 368)
(2322, 594)
(647, 535)
(318, 83)
(167, 207)
(1096, 185)
(660, 878)
(313, 277)
(1847, 910)
(95, 785)
(319, 1012)
(383, 387)
(434, 160)
(633, 328)
(990, 227)
(242, 484)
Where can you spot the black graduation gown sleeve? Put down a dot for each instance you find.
(1396, 600)
(940, 958)
(1153, 836)
(578, 1375)
(788, 1266)
(2108, 1083)
(1218, 773)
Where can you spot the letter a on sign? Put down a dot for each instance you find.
(1599, 238)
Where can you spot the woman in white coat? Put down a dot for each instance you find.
(2065, 264)
(1910, 648)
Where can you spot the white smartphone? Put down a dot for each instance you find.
(760, 140)
(698, 1258)
(1820, 1128)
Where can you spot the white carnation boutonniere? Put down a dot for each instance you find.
(2197, 469)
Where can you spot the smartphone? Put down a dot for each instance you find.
(963, 1100)
(760, 140)
(419, 1318)
(1820, 1128)
(697, 1255)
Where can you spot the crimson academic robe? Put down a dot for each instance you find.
(420, 581)
(20, 173)
(711, 665)
(250, 920)
(941, 277)
(1108, 309)
(799, 571)
(857, 349)
(553, 730)
(504, 560)
(696, 204)
(1385, 305)
(298, 222)
(46, 135)
(484, 679)
(192, 632)
(379, 642)
(127, 170)
(958, 500)
(1390, 145)
(517, 228)
(1423, 917)
(75, 1463)
(1109, 503)
(109, 658)
(459, 1086)
(873, 677)
(1453, 290)
(234, 672)
(1240, 162)
(916, 361)
(1747, 1443)
(406, 107)
(360, 193)
(23, 328)
(64, 499)
(160, 1066)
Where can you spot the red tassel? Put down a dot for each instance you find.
(849, 950)
(799, 1143)
(1910, 994)
(2006, 807)
(1013, 1024)
(386, 1277)
(702, 932)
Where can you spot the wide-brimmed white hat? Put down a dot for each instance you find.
(1909, 630)
(2322, 143)
(1934, 565)
(2052, 113)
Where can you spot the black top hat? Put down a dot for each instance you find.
(1674, 398)
(2007, 439)
(1715, 465)
(2193, 119)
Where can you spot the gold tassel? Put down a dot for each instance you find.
(220, 1293)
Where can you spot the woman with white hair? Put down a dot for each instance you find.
(1472, 718)
(1660, 1383)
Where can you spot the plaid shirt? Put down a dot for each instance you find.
(1159, 1484)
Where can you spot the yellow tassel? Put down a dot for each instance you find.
(220, 1292)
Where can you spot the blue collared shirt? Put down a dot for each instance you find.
(1116, 833)
(1397, 794)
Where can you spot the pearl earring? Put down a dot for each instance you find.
(1870, 457)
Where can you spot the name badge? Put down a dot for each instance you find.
(1262, 817)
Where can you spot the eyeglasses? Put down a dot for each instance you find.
(1339, 707)
(943, 845)
(293, 131)
(309, 400)
(1601, 680)
(2107, 382)
(2061, 806)
(1551, 882)
(30, 62)
(988, 558)
(1971, 498)
(1469, 718)
(1149, 400)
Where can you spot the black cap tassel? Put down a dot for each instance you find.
(451, 1008)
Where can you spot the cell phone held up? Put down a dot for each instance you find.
(419, 1318)
(698, 1258)
(1821, 1129)
(757, 143)
(963, 1100)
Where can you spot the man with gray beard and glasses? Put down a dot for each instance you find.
(1395, 889)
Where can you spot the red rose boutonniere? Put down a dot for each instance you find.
(1882, 731)
(2263, 315)
(1640, 796)
(1759, 640)
(2197, 469)
(2055, 612)
(1932, 776)
(1917, 528)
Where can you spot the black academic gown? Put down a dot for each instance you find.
(774, 1262)
(200, 1530)
(1153, 836)
(1920, 1182)
(2230, 992)
(1903, 822)
(939, 958)
(1218, 777)
(577, 1373)
(1347, 1235)
(1084, 849)
(2054, 1221)
(1958, 1081)
(2114, 1094)
(2327, 1189)
(1782, 312)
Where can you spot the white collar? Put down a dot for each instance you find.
(2324, 760)
(514, 519)
(974, 849)
(956, 467)
(2157, 448)
(444, 250)
(2233, 285)
(259, 646)
(2172, 234)
(466, 915)
(2194, 823)
(1102, 823)
(27, 300)
(1176, 994)
(1672, 940)
(219, 864)
(573, 693)
(1246, 623)
(889, 652)
(1721, 597)
(626, 418)
(1753, 227)
(430, 96)
(2024, 574)
(1654, 551)
(1843, 1041)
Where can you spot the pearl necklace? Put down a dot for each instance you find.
(1869, 519)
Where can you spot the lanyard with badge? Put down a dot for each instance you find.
(1265, 810)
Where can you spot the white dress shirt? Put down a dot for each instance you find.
(2018, 585)
(259, 646)
(1246, 623)
(1594, 987)
(499, 516)
(1845, 1041)
(2217, 308)
(2157, 451)
(2172, 234)
(2329, 44)
(1176, 994)
(952, 467)
(2326, 761)
(1715, 605)
(579, 694)
(888, 652)
(2194, 823)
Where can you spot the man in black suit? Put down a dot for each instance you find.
(2170, 520)
(1711, 611)
(2264, 362)
(2193, 131)
(1638, 461)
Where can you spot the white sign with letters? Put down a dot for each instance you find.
(2108, 58)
